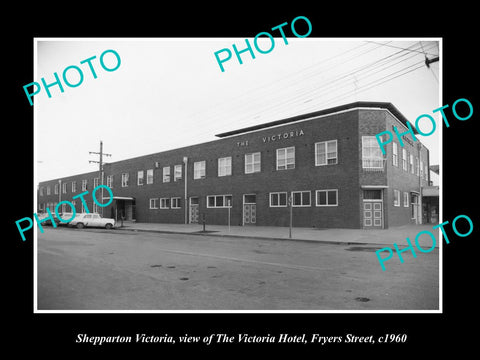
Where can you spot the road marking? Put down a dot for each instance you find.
(296, 267)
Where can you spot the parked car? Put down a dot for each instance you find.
(44, 215)
(91, 220)
(64, 216)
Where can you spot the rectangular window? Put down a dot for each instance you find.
(405, 199)
(396, 197)
(166, 174)
(110, 181)
(412, 168)
(74, 186)
(421, 169)
(426, 172)
(95, 208)
(149, 176)
(95, 182)
(84, 185)
(372, 194)
(286, 158)
(41, 191)
(219, 201)
(225, 166)
(326, 153)
(301, 198)
(165, 203)
(55, 189)
(372, 157)
(417, 166)
(395, 154)
(154, 203)
(48, 190)
(252, 163)
(177, 173)
(64, 188)
(176, 203)
(199, 170)
(125, 179)
(140, 178)
(278, 199)
(404, 159)
(327, 197)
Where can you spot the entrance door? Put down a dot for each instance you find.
(372, 214)
(414, 205)
(194, 210)
(249, 209)
(372, 208)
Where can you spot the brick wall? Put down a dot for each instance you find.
(347, 175)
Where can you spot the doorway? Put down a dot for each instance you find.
(373, 209)
(194, 210)
(249, 209)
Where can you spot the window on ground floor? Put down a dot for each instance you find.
(176, 203)
(278, 199)
(165, 203)
(301, 198)
(154, 203)
(327, 197)
(219, 201)
(396, 197)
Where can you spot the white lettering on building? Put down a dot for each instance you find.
(284, 135)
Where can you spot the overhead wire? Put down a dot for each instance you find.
(334, 84)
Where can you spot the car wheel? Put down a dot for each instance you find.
(80, 226)
(108, 226)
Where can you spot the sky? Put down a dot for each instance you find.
(170, 92)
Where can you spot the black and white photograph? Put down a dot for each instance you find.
(223, 179)
(208, 175)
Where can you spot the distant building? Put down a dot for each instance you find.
(327, 163)
(431, 195)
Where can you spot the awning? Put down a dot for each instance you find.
(430, 191)
(119, 198)
(374, 186)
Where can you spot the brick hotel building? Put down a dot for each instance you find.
(327, 163)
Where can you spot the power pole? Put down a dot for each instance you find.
(100, 167)
(429, 61)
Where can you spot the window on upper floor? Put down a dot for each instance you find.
(326, 153)
(372, 157)
(199, 171)
(252, 163)
(225, 166)
(286, 158)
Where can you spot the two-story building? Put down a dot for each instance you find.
(327, 164)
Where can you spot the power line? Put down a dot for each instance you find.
(334, 82)
(303, 95)
(339, 82)
(398, 47)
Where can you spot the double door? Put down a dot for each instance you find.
(373, 214)
(249, 209)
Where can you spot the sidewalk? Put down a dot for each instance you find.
(335, 236)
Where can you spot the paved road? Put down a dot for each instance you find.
(92, 269)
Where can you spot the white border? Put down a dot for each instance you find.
(35, 172)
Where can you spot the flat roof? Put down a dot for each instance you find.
(358, 104)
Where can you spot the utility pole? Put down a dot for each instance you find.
(100, 166)
(290, 201)
(429, 61)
